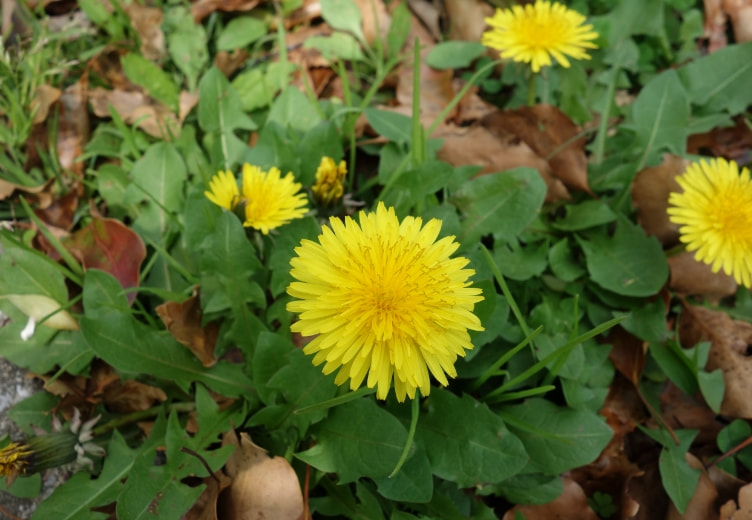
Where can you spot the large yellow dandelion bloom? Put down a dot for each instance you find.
(330, 181)
(384, 298)
(223, 190)
(535, 32)
(714, 212)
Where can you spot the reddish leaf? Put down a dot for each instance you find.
(109, 245)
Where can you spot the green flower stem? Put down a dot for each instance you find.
(410, 434)
(599, 146)
(562, 351)
(531, 90)
(524, 394)
(342, 399)
(493, 369)
(507, 293)
(459, 95)
(140, 415)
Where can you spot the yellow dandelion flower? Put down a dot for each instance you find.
(330, 181)
(714, 212)
(223, 190)
(384, 298)
(270, 199)
(535, 32)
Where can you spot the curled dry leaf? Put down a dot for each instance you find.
(730, 142)
(740, 12)
(690, 277)
(132, 396)
(60, 212)
(728, 352)
(42, 193)
(715, 25)
(650, 191)
(147, 22)
(375, 19)
(495, 152)
(552, 135)
(262, 487)
(467, 18)
(741, 510)
(44, 97)
(73, 126)
(204, 8)
(205, 507)
(136, 107)
(183, 320)
(572, 504)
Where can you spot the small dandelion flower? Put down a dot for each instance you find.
(384, 299)
(223, 190)
(330, 181)
(536, 32)
(714, 212)
(270, 199)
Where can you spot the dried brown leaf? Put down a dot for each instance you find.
(204, 8)
(715, 25)
(742, 511)
(467, 18)
(552, 135)
(262, 487)
(147, 22)
(572, 504)
(690, 277)
(740, 12)
(61, 211)
(730, 142)
(205, 507)
(650, 191)
(44, 97)
(495, 152)
(73, 126)
(42, 193)
(730, 340)
(136, 107)
(132, 396)
(375, 19)
(183, 320)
